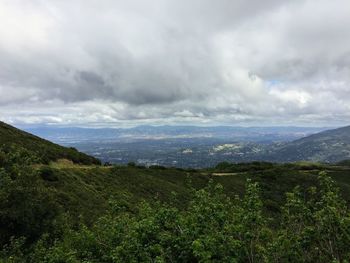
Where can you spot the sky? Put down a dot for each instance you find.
(199, 62)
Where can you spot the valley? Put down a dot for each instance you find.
(200, 147)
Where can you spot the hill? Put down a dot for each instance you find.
(65, 212)
(47, 205)
(44, 150)
(330, 146)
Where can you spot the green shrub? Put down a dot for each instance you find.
(48, 174)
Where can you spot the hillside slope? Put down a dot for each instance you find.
(49, 213)
(87, 191)
(328, 146)
(44, 150)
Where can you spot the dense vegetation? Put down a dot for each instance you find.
(137, 214)
(44, 151)
(247, 212)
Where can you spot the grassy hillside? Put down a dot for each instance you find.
(44, 150)
(86, 191)
(74, 211)
(44, 203)
(328, 146)
(80, 188)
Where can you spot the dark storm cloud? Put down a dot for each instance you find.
(197, 60)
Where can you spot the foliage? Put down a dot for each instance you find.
(81, 213)
(44, 151)
(27, 208)
(313, 230)
(110, 214)
(212, 228)
(344, 163)
(243, 167)
(209, 230)
(48, 174)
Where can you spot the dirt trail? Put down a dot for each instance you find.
(224, 174)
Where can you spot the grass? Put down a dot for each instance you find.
(68, 164)
(12, 138)
(86, 190)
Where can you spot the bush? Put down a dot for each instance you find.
(48, 174)
(157, 167)
(27, 207)
(211, 228)
(131, 164)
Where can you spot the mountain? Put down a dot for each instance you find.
(87, 213)
(328, 146)
(45, 150)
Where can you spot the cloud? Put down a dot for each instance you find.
(115, 62)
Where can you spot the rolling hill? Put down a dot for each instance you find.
(44, 150)
(329, 146)
(45, 210)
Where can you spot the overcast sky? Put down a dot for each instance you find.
(205, 62)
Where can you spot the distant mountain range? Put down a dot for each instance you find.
(147, 132)
(192, 146)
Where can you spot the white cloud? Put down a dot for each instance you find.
(131, 62)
